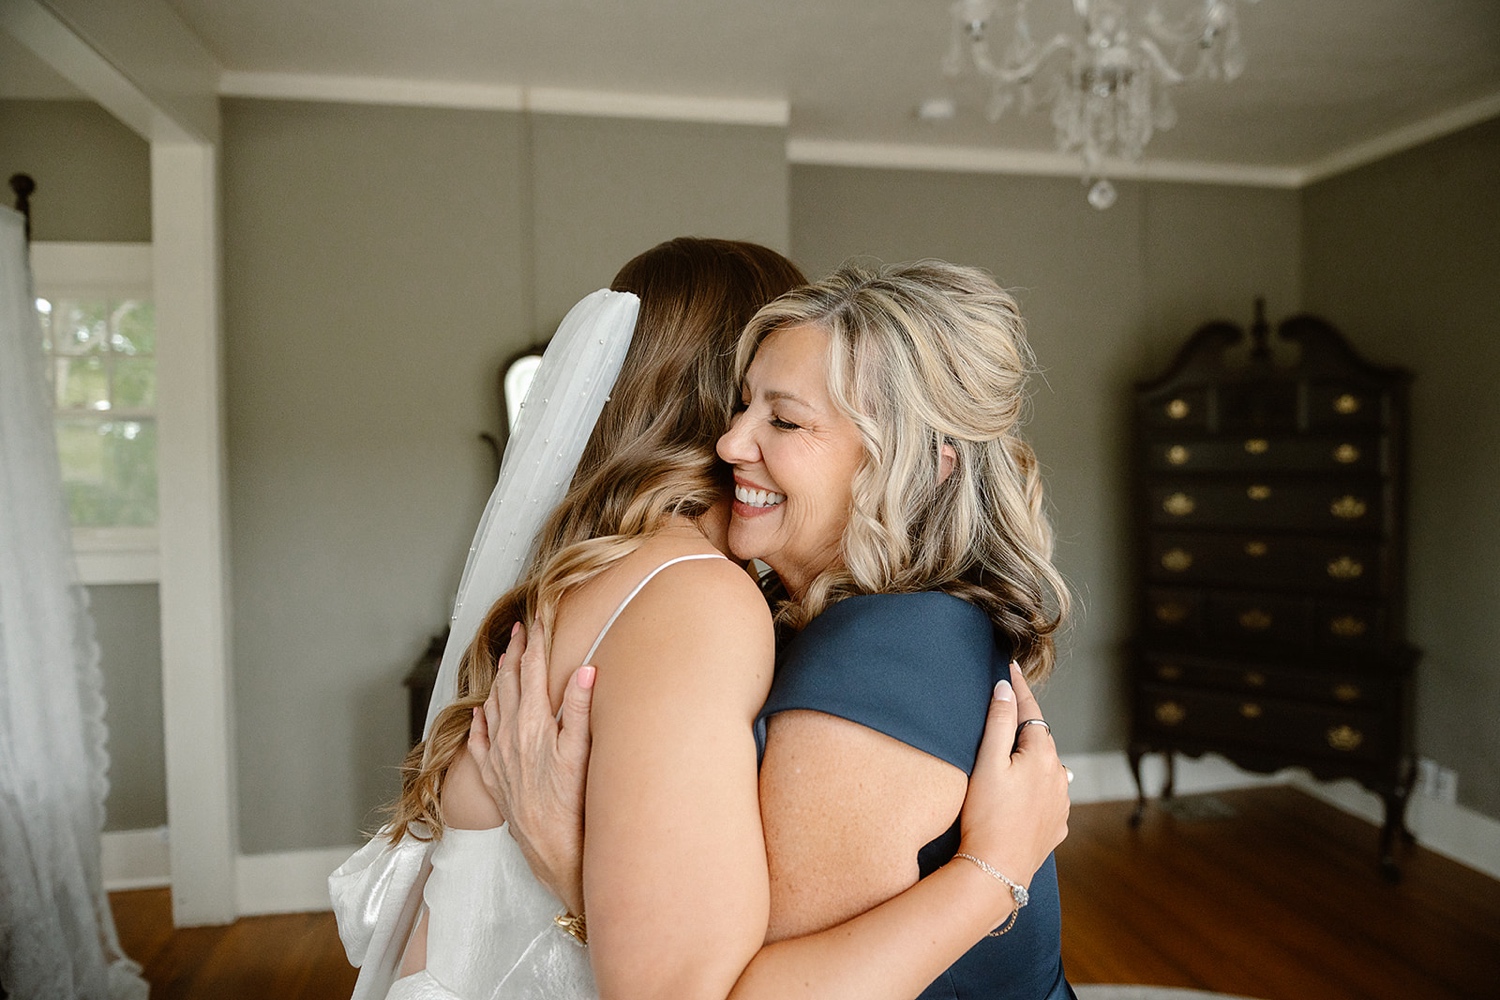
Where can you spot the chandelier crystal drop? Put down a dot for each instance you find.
(1109, 88)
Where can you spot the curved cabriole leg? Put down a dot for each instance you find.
(1136, 753)
(1395, 820)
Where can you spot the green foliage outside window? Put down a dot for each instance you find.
(101, 367)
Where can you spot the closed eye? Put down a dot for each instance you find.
(784, 425)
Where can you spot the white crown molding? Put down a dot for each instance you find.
(371, 90)
(544, 100)
(1401, 139)
(905, 156)
(831, 152)
(714, 110)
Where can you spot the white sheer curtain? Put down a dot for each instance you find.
(57, 936)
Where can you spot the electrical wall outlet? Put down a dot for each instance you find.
(1446, 786)
(1436, 781)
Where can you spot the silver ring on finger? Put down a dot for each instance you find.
(1033, 722)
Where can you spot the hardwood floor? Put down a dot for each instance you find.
(292, 957)
(1281, 901)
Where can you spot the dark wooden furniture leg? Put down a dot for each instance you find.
(1137, 751)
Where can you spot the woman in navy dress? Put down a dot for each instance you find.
(879, 472)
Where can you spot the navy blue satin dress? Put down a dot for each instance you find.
(920, 668)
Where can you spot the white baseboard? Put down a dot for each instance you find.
(286, 881)
(1105, 776)
(135, 859)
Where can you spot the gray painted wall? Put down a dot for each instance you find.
(126, 624)
(93, 174)
(93, 180)
(379, 266)
(1108, 296)
(1404, 255)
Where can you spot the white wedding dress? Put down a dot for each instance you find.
(490, 934)
(490, 931)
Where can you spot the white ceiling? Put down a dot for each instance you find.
(1324, 76)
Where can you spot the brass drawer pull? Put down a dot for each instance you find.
(1259, 491)
(1345, 568)
(1345, 738)
(1178, 408)
(1169, 713)
(1255, 679)
(1256, 549)
(1250, 710)
(1254, 620)
(1176, 560)
(1171, 613)
(1346, 404)
(1346, 692)
(1346, 454)
(1349, 508)
(1179, 505)
(1348, 626)
(1257, 446)
(1178, 455)
(1169, 672)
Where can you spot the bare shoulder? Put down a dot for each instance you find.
(465, 803)
(704, 615)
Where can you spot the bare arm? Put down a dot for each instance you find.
(826, 875)
(1015, 814)
(674, 864)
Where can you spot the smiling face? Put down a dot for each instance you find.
(794, 454)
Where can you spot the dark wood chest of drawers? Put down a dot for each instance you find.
(1271, 562)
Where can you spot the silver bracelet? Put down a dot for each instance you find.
(1017, 891)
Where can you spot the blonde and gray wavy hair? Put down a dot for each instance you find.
(924, 355)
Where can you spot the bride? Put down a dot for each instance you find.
(628, 573)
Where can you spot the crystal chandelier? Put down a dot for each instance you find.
(1114, 88)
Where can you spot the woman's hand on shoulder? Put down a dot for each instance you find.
(534, 765)
(1016, 811)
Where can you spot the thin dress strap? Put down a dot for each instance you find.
(638, 588)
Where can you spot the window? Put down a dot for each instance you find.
(98, 329)
(101, 368)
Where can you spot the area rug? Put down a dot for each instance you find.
(1147, 993)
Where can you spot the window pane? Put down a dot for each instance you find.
(79, 327)
(44, 318)
(108, 470)
(82, 383)
(135, 328)
(135, 384)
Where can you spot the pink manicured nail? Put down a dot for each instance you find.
(586, 677)
(1003, 691)
(514, 629)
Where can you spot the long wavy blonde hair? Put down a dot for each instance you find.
(650, 456)
(922, 356)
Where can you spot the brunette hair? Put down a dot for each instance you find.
(924, 356)
(650, 456)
